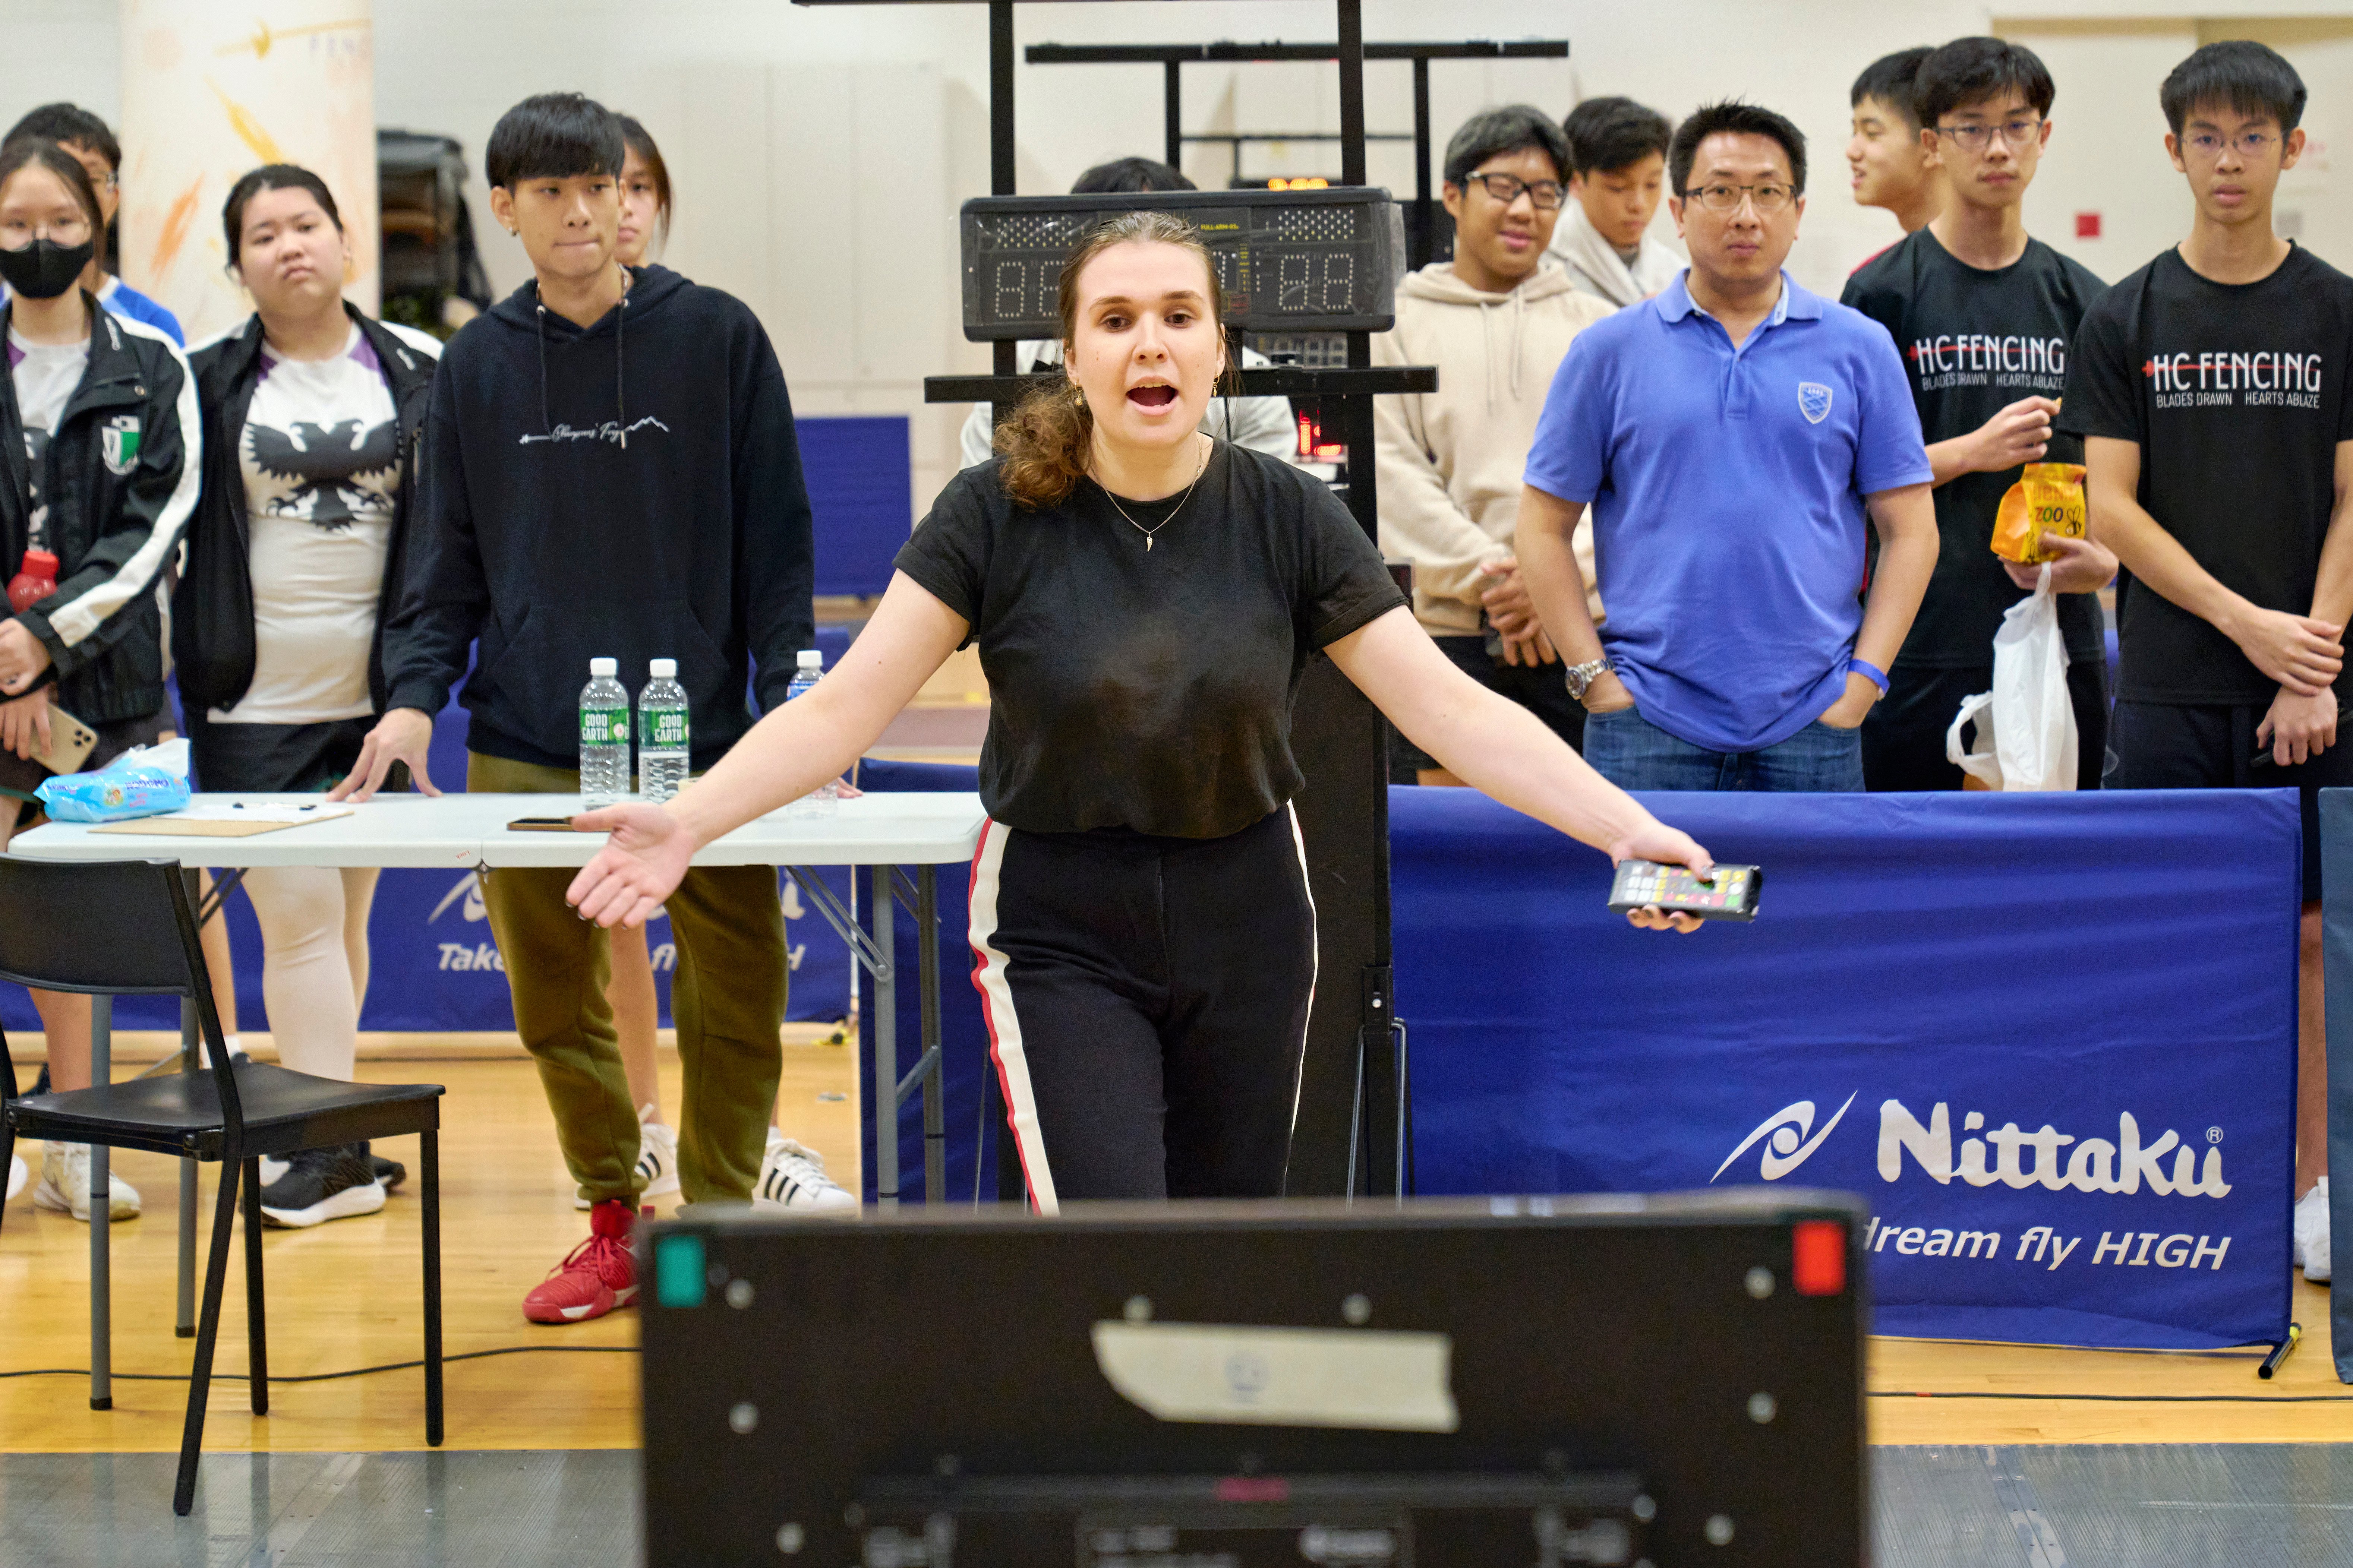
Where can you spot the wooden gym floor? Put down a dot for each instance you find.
(346, 1295)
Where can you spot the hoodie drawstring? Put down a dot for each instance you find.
(1487, 342)
(1519, 335)
(539, 320)
(620, 370)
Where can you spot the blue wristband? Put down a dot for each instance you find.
(1870, 672)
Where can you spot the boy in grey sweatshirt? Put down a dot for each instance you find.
(1497, 321)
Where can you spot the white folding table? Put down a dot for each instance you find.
(886, 831)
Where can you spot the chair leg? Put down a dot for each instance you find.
(257, 1334)
(200, 1377)
(429, 1161)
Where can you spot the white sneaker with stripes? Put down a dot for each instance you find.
(657, 1159)
(793, 1177)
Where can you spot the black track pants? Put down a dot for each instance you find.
(1147, 1002)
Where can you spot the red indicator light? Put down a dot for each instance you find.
(1818, 1257)
(1253, 1489)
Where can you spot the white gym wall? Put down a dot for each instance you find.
(819, 154)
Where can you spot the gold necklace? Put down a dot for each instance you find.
(1165, 522)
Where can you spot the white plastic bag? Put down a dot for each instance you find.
(2027, 714)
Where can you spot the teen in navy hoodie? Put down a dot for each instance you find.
(609, 469)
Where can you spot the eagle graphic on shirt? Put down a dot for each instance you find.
(328, 474)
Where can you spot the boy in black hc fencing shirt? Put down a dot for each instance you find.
(2210, 389)
(1983, 313)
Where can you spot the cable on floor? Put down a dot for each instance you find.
(329, 1376)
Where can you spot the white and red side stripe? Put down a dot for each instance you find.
(1314, 961)
(1005, 1041)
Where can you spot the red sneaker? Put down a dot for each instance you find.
(599, 1274)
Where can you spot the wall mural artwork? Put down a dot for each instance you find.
(210, 91)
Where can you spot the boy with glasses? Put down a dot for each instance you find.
(1887, 160)
(1731, 436)
(1983, 313)
(1618, 171)
(84, 138)
(1496, 321)
(2209, 388)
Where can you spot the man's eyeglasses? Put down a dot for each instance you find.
(1769, 197)
(1545, 194)
(2250, 144)
(2018, 133)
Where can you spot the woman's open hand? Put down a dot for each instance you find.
(640, 866)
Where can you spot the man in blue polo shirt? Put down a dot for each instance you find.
(1732, 436)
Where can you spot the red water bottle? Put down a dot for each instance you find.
(36, 580)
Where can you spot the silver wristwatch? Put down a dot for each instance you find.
(1581, 677)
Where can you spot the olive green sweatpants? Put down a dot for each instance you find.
(727, 998)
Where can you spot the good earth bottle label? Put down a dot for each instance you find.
(666, 730)
(603, 726)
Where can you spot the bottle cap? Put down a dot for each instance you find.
(662, 669)
(812, 659)
(597, 667)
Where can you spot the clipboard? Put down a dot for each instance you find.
(230, 823)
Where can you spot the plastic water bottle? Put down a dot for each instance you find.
(604, 736)
(821, 801)
(663, 733)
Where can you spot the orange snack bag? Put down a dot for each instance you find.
(2048, 499)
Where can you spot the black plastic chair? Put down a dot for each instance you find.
(127, 928)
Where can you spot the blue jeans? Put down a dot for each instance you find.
(1635, 755)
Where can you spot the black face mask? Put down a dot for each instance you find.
(44, 269)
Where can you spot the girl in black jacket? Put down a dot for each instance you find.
(310, 415)
(98, 474)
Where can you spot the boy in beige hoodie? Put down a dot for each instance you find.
(1497, 321)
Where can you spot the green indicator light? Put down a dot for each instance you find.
(678, 1278)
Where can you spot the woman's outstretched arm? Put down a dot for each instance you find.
(1499, 748)
(789, 753)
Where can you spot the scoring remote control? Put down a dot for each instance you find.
(1730, 893)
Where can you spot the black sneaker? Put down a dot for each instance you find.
(322, 1184)
(390, 1172)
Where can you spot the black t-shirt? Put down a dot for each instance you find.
(1148, 689)
(1976, 342)
(2236, 396)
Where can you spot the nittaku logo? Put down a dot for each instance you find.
(470, 888)
(2005, 1154)
(1788, 1146)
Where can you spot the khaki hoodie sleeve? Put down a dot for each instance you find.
(1419, 519)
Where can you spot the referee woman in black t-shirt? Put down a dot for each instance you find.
(1145, 599)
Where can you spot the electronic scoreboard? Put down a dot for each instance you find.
(1291, 260)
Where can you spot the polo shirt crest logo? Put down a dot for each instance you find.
(118, 443)
(1813, 401)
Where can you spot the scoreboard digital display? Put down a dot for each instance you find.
(1291, 260)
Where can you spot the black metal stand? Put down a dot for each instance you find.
(1424, 218)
